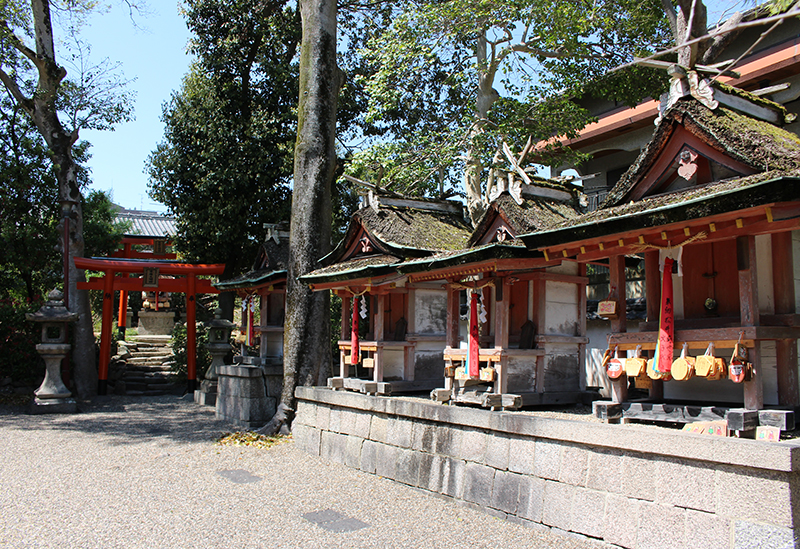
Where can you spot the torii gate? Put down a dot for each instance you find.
(109, 283)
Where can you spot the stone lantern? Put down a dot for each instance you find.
(219, 335)
(52, 396)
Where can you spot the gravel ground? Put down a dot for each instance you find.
(145, 472)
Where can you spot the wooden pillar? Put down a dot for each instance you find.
(344, 367)
(749, 314)
(783, 291)
(122, 317)
(105, 334)
(539, 319)
(581, 289)
(191, 333)
(379, 317)
(652, 276)
(502, 311)
(453, 304)
(616, 265)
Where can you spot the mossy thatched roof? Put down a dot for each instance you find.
(688, 204)
(423, 230)
(359, 267)
(270, 265)
(756, 143)
(533, 214)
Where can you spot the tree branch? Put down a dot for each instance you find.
(13, 88)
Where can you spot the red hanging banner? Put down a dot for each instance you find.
(354, 333)
(666, 322)
(474, 334)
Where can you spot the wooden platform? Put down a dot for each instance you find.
(738, 419)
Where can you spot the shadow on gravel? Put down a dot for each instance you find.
(127, 420)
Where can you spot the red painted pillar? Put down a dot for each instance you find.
(122, 317)
(191, 333)
(105, 337)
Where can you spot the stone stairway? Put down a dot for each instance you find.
(148, 371)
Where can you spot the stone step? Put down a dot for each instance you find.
(154, 339)
(149, 359)
(155, 351)
(148, 368)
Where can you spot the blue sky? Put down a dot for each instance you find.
(155, 55)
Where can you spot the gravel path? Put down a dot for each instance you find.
(145, 472)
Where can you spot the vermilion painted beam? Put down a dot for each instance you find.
(178, 285)
(164, 267)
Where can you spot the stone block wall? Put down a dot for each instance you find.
(627, 485)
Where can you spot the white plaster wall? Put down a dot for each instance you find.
(566, 268)
(561, 316)
(430, 311)
(393, 364)
(766, 293)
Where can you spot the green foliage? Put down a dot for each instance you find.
(18, 339)
(225, 164)
(438, 66)
(179, 348)
(102, 232)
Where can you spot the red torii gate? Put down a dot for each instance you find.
(109, 282)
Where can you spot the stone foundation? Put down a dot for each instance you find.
(628, 485)
(156, 322)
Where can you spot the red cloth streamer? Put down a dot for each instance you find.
(354, 333)
(666, 321)
(474, 334)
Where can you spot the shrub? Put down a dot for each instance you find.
(178, 344)
(18, 339)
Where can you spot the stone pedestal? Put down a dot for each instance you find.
(242, 397)
(207, 393)
(52, 396)
(156, 323)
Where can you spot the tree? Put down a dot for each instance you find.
(17, 61)
(306, 359)
(224, 166)
(439, 65)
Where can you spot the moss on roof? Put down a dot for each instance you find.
(691, 203)
(758, 144)
(360, 267)
(423, 230)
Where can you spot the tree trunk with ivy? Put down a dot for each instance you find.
(306, 357)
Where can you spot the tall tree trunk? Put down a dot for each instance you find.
(42, 108)
(486, 97)
(306, 358)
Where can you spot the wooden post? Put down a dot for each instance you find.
(377, 370)
(783, 291)
(616, 266)
(748, 308)
(652, 276)
(581, 288)
(344, 367)
(502, 311)
(122, 318)
(540, 321)
(453, 304)
(191, 333)
(105, 334)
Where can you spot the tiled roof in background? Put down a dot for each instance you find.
(146, 223)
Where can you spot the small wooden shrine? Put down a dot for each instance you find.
(393, 329)
(714, 202)
(263, 288)
(515, 334)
